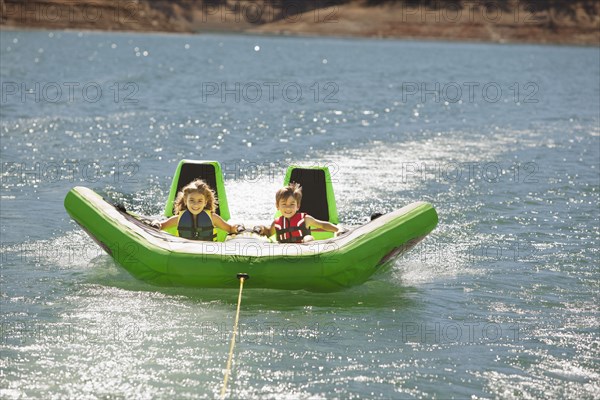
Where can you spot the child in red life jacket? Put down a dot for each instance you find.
(195, 216)
(292, 226)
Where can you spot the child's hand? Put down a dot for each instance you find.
(238, 228)
(259, 229)
(341, 231)
(308, 238)
(156, 224)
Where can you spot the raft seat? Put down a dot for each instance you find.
(212, 174)
(318, 199)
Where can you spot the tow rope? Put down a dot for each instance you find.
(242, 278)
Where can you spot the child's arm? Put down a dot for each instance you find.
(264, 231)
(221, 224)
(326, 226)
(169, 223)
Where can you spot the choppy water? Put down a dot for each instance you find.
(499, 302)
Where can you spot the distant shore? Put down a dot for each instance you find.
(502, 22)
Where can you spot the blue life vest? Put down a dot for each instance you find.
(199, 228)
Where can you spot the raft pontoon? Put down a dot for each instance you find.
(326, 264)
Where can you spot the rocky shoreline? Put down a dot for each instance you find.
(576, 22)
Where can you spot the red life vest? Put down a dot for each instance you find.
(291, 230)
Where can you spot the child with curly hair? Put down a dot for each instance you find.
(194, 213)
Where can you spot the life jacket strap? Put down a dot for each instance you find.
(289, 229)
(201, 229)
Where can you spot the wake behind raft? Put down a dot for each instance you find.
(324, 265)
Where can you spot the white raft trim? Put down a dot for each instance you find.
(248, 247)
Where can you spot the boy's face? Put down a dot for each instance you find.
(196, 203)
(288, 206)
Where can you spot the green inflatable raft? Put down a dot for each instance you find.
(324, 265)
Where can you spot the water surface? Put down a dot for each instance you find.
(498, 302)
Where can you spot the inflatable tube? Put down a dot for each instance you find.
(322, 265)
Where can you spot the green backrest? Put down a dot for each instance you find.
(208, 171)
(318, 199)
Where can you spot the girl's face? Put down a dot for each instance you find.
(288, 206)
(195, 202)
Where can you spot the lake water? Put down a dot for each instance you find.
(500, 301)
